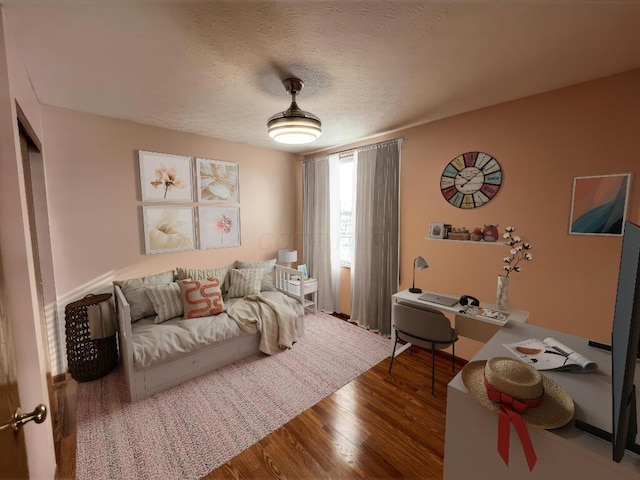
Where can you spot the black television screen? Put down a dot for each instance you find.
(625, 337)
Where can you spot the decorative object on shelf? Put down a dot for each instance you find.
(447, 229)
(168, 229)
(217, 181)
(419, 263)
(490, 233)
(288, 256)
(599, 204)
(518, 252)
(303, 270)
(436, 230)
(476, 235)
(294, 126)
(471, 180)
(459, 234)
(165, 177)
(219, 227)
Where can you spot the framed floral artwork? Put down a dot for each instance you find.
(219, 227)
(217, 181)
(599, 204)
(165, 177)
(168, 229)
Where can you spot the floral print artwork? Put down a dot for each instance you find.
(169, 229)
(165, 177)
(217, 181)
(219, 227)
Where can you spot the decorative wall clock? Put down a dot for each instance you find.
(471, 180)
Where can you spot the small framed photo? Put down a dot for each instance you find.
(168, 229)
(165, 177)
(436, 230)
(219, 227)
(303, 271)
(599, 204)
(217, 181)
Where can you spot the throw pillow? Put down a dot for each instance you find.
(201, 298)
(199, 274)
(166, 300)
(135, 291)
(245, 282)
(267, 267)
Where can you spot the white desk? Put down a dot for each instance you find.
(471, 431)
(475, 327)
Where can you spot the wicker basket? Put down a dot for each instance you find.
(459, 236)
(87, 359)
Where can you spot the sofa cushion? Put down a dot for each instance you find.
(267, 268)
(166, 300)
(202, 274)
(135, 291)
(201, 298)
(246, 281)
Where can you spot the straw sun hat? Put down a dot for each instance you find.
(521, 381)
(519, 394)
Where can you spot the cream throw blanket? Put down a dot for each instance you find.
(276, 322)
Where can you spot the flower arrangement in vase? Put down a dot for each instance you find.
(519, 251)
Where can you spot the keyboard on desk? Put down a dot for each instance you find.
(438, 299)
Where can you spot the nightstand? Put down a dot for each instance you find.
(310, 292)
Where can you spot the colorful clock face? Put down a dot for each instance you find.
(471, 180)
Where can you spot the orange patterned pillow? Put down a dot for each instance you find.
(201, 298)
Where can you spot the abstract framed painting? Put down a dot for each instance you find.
(219, 227)
(217, 181)
(599, 204)
(168, 229)
(165, 177)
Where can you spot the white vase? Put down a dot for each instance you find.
(502, 292)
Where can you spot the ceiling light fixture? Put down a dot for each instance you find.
(294, 126)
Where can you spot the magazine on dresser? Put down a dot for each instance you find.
(550, 354)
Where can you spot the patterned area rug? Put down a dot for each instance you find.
(191, 429)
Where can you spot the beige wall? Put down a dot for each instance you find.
(95, 209)
(542, 142)
(19, 293)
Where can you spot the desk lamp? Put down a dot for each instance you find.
(287, 256)
(419, 263)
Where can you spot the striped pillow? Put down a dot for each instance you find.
(201, 298)
(267, 269)
(135, 291)
(166, 300)
(199, 274)
(245, 282)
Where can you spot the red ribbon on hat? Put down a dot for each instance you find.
(510, 410)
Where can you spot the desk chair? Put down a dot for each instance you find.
(425, 328)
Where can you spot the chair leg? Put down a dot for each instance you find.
(453, 358)
(393, 353)
(433, 369)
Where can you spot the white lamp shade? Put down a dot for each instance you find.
(287, 256)
(421, 263)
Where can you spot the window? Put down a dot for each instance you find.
(346, 209)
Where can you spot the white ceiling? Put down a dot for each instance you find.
(215, 68)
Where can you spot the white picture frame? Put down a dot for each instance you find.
(165, 177)
(219, 227)
(217, 181)
(168, 229)
(436, 230)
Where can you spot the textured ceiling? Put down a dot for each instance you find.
(369, 67)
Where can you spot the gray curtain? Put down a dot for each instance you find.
(321, 228)
(375, 264)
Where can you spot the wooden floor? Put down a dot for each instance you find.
(377, 426)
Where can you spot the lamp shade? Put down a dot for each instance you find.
(421, 263)
(418, 264)
(287, 256)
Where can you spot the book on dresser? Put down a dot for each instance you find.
(549, 354)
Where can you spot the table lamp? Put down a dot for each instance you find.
(287, 256)
(419, 263)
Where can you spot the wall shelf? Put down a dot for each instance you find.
(481, 242)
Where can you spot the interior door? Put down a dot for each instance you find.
(12, 446)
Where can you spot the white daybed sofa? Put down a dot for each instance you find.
(150, 366)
